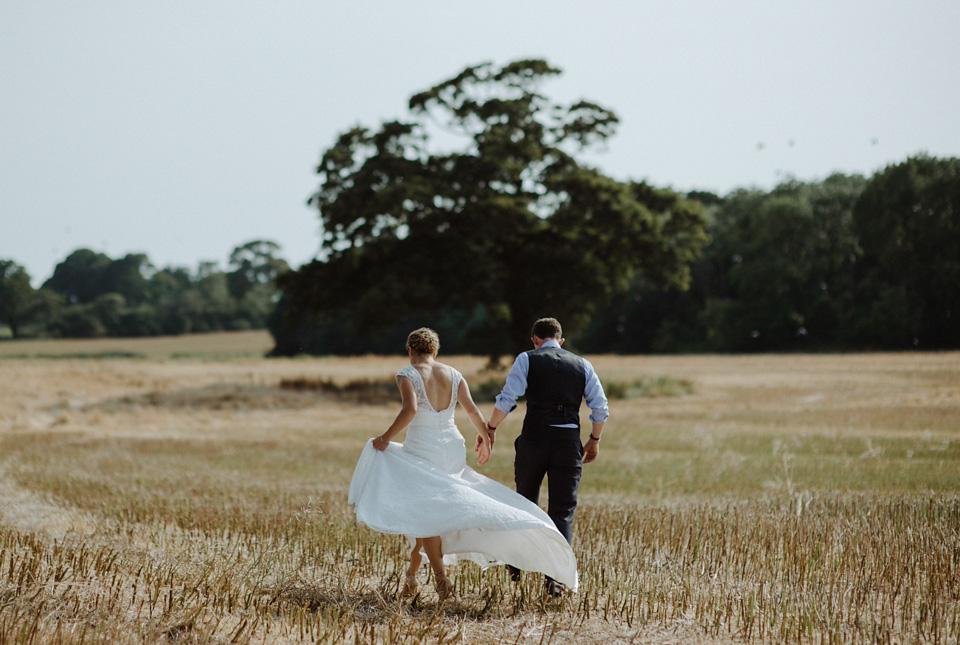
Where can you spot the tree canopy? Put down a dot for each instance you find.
(846, 263)
(908, 221)
(477, 202)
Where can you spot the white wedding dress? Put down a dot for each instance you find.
(423, 487)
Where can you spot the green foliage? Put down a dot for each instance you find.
(91, 295)
(77, 321)
(339, 336)
(508, 221)
(842, 264)
(785, 258)
(19, 303)
(778, 274)
(77, 278)
(908, 221)
(648, 387)
(255, 264)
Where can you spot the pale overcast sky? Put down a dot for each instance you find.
(184, 128)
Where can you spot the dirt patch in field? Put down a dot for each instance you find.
(290, 394)
(217, 396)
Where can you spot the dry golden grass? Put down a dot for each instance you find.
(184, 497)
(210, 346)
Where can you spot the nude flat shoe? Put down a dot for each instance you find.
(410, 586)
(445, 588)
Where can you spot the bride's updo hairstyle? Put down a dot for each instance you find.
(424, 341)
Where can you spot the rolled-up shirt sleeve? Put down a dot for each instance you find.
(515, 386)
(593, 394)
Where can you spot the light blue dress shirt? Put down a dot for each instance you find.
(516, 385)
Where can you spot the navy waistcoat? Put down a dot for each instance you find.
(555, 384)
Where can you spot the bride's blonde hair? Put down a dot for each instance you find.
(424, 341)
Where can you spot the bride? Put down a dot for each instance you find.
(423, 488)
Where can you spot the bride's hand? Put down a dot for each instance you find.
(482, 448)
(483, 453)
(380, 443)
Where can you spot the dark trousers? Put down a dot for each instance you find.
(557, 454)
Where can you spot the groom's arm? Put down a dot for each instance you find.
(597, 402)
(591, 449)
(495, 419)
(514, 387)
(594, 396)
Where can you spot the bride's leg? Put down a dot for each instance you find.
(435, 555)
(410, 585)
(415, 558)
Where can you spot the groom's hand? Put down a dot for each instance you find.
(591, 451)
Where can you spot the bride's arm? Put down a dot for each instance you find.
(476, 420)
(408, 408)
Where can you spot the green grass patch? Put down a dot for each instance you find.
(648, 387)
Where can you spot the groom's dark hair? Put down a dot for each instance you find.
(547, 328)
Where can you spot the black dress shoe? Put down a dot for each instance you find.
(514, 573)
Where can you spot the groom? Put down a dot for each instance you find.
(554, 382)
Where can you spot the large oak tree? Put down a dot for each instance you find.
(478, 200)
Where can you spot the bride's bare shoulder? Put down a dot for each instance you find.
(445, 369)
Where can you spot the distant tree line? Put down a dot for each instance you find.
(843, 264)
(92, 295)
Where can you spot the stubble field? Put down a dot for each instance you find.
(169, 490)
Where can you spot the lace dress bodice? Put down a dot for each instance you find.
(433, 435)
(423, 403)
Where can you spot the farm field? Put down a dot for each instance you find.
(170, 490)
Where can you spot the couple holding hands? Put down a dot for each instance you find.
(423, 489)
